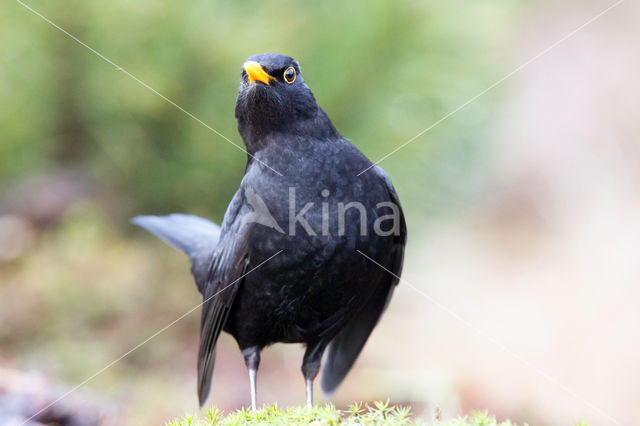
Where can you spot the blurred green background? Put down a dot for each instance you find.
(384, 71)
(84, 147)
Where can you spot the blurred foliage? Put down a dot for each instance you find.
(84, 296)
(384, 71)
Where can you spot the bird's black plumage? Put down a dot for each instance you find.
(296, 281)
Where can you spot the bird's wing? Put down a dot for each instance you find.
(195, 236)
(227, 269)
(346, 346)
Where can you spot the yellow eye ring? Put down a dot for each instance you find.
(289, 75)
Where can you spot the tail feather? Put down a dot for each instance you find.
(195, 236)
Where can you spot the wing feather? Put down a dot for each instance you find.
(344, 349)
(229, 265)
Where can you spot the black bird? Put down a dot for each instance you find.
(288, 263)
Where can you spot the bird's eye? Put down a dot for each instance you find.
(290, 75)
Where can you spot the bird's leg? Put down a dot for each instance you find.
(311, 367)
(253, 373)
(252, 360)
(309, 393)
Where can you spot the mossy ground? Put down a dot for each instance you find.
(380, 413)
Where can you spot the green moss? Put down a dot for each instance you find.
(380, 413)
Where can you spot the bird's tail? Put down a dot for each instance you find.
(195, 236)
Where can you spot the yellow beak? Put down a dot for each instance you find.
(256, 73)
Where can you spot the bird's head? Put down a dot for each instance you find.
(273, 97)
